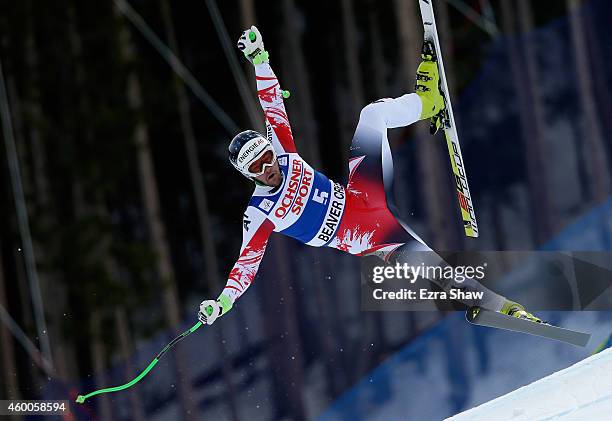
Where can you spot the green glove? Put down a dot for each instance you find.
(210, 310)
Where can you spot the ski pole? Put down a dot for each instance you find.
(81, 398)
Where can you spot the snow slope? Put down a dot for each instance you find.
(580, 392)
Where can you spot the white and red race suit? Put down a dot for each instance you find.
(313, 209)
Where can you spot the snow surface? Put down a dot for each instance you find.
(580, 392)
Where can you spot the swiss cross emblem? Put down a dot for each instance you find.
(266, 204)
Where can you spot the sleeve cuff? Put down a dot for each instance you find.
(226, 303)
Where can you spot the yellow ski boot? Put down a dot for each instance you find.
(428, 88)
(516, 310)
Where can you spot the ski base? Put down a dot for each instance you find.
(432, 47)
(480, 316)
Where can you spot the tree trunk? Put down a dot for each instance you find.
(430, 157)
(455, 236)
(247, 13)
(530, 116)
(33, 108)
(596, 153)
(351, 55)
(9, 362)
(379, 64)
(497, 219)
(296, 76)
(598, 68)
(199, 191)
(248, 18)
(304, 122)
(280, 323)
(379, 72)
(55, 291)
(96, 316)
(350, 98)
(27, 294)
(157, 230)
(127, 350)
(545, 224)
(357, 102)
(195, 172)
(98, 356)
(446, 44)
(50, 291)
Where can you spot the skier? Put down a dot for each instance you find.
(292, 198)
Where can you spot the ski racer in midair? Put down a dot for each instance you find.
(292, 198)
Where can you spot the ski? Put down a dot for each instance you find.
(480, 316)
(448, 125)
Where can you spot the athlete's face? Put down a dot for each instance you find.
(272, 175)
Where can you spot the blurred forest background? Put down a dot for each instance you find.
(126, 213)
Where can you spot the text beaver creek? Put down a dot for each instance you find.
(297, 191)
(332, 219)
(334, 200)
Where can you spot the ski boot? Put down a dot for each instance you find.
(428, 88)
(513, 309)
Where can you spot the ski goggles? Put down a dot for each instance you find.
(267, 159)
(257, 155)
